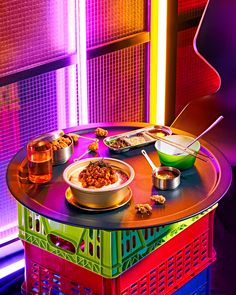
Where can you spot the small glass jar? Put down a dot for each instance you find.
(39, 155)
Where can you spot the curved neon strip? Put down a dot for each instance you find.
(196, 49)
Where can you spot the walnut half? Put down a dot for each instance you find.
(101, 132)
(143, 208)
(74, 136)
(158, 199)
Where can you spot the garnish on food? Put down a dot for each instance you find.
(118, 143)
(97, 174)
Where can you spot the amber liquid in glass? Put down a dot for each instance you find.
(39, 155)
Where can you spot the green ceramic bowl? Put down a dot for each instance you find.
(172, 156)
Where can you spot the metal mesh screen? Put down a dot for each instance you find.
(37, 32)
(110, 20)
(29, 108)
(32, 32)
(116, 86)
(194, 78)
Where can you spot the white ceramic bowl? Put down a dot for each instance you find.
(174, 157)
(99, 198)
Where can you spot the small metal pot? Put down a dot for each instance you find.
(172, 179)
(61, 156)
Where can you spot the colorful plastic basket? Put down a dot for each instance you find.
(162, 272)
(199, 285)
(108, 253)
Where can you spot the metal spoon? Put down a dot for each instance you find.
(205, 131)
(154, 168)
(91, 148)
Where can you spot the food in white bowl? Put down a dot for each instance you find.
(97, 175)
(111, 189)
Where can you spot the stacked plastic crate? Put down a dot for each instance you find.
(68, 260)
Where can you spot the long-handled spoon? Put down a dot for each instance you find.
(205, 131)
(93, 147)
(181, 147)
(154, 168)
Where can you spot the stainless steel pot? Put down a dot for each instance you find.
(62, 155)
(160, 181)
(104, 197)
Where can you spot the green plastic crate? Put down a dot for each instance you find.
(108, 253)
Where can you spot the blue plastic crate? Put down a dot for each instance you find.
(199, 285)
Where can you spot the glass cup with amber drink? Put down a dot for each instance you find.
(39, 155)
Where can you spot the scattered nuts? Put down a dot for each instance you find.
(61, 143)
(158, 199)
(74, 136)
(143, 208)
(101, 132)
(93, 146)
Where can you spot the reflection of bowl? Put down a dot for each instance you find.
(62, 155)
(166, 178)
(172, 156)
(104, 197)
(160, 130)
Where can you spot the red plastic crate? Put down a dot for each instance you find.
(105, 252)
(199, 285)
(162, 272)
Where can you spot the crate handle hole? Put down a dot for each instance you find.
(91, 249)
(62, 243)
(127, 245)
(82, 246)
(134, 241)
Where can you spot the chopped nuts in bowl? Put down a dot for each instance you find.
(63, 148)
(62, 145)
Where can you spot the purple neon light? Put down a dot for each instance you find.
(30, 33)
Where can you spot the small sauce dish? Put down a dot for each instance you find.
(166, 178)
